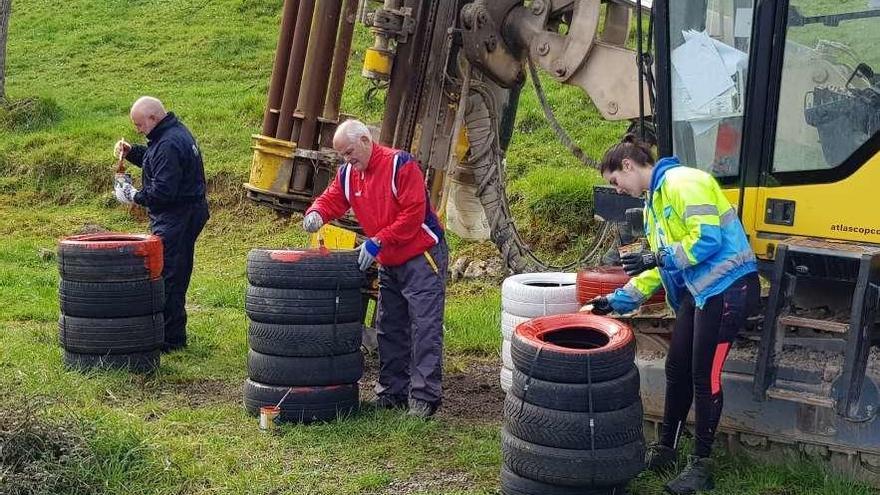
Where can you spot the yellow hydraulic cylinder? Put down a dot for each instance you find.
(377, 64)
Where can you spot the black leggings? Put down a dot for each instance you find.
(700, 343)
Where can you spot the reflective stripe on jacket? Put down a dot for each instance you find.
(688, 217)
(390, 202)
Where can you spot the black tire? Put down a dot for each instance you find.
(304, 269)
(572, 430)
(111, 299)
(303, 306)
(514, 484)
(609, 395)
(305, 340)
(140, 362)
(303, 404)
(104, 336)
(570, 467)
(110, 257)
(573, 348)
(305, 371)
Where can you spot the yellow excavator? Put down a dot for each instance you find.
(778, 99)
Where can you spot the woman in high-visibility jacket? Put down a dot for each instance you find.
(699, 252)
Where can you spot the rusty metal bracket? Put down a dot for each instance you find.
(485, 46)
(392, 23)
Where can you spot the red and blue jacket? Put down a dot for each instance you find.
(390, 202)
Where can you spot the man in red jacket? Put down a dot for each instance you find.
(386, 190)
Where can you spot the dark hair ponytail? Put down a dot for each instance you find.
(630, 147)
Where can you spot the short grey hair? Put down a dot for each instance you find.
(353, 130)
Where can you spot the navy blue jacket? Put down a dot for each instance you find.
(173, 172)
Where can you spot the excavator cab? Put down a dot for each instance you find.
(781, 103)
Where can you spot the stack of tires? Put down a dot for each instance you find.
(602, 280)
(573, 417)
(112, 296)
(306, 323)
(529, 295)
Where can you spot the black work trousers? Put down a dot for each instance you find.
(700, 343)
(179, 227)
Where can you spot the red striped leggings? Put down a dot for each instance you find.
(700, 342)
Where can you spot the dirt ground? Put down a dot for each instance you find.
(471, 392)
(204, 393)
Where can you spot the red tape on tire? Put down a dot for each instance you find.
(601, 280)
(293, 256)
(147, 246)
(576, 333)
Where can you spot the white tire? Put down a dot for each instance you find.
(506, 359)
(509, 323)
(540, 294)
(506, 379)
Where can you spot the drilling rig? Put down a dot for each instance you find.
(779, 100)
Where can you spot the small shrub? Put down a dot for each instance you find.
(65, 455)
(37, 455)
(29, 114)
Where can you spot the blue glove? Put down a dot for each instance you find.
(636, 263)
(367, 255)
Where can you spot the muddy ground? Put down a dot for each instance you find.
(471, 391)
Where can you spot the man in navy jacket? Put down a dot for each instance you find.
(174, 194)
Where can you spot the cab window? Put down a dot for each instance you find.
(829, 103)
(709, 42)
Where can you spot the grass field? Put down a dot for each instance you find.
(183, 430)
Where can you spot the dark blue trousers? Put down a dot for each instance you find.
(410, 327)
(179, 227)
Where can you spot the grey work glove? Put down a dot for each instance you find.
(312, 222)
(368, 252)
(125, 192)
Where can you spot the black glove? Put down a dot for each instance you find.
(636, 263)
(601, 306)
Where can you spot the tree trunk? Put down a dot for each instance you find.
(5, 10)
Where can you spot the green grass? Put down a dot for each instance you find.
(183, 429)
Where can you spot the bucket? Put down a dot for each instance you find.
(272, 164)
(268, 417)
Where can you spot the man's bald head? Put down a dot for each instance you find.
(146, 113)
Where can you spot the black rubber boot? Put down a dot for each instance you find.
(696, 477)
(421, 409)
(387, 402)
(659, 457)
